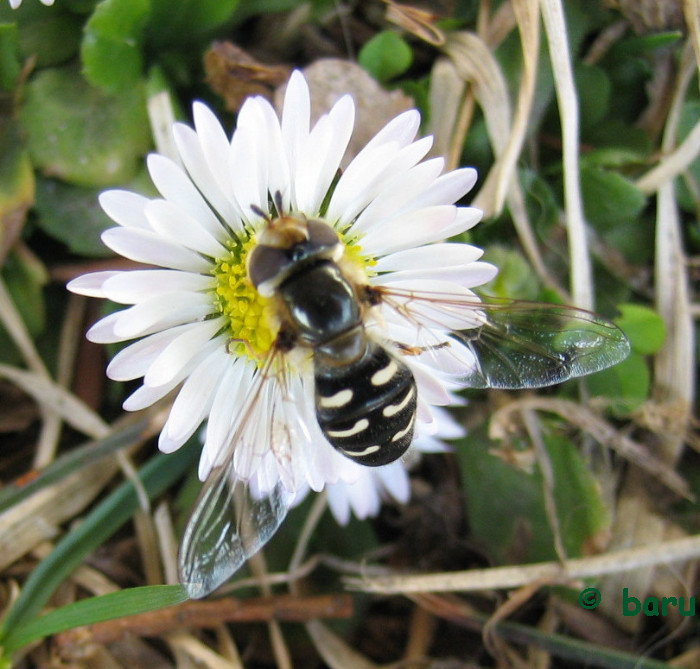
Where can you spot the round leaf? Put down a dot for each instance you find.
(187, 20)
(385, 56)
(608, 197)
(111, 48)
(643, 326)
(593, 87)
(73, 216)
(16, 185)
(624, 386)
(77, 133)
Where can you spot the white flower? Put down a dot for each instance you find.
(16, 3)
(198, 321)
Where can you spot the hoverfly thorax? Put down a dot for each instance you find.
(365, 396)
(287, 245)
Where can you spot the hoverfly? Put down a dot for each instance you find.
(365, 392)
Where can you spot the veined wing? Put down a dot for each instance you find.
(233, 517)
(500, 343)
(228, 525)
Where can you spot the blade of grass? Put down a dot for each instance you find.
(129, 432)
(572, 650)
(115, 510)
(96, 609)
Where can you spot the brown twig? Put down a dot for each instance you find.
(209, 614)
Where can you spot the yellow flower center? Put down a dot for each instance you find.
(248, 313)
(252, 324)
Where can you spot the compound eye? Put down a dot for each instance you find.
(322, 237)
(267, 263)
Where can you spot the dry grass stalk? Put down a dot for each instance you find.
(551, 573)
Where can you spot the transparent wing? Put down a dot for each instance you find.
(506, 344)
(228, 525)
(236, 516)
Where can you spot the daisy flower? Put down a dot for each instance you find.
(199, 324)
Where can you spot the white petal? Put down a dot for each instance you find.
(430, 387)
(150, 248)
(91, 285)
(398, 194)
(434, 304)
(145, 396)
(370, 174)
(102, 332)
(160, 312)
(233, 390)
(195, 399)
(133, 361)
(278, 169)
(364, 497)
(213, 142)
(416, 228)
(178, 226)
(176, 187)
(448, 427)
(394, 479)
(402, 129)
(339, 502)
(181, 350)
(426, 443)
(319, 160)
(125, 208)
(470, 275)
(449, 187)
(190, 149)
(295, 116)
(249, 159)
(355, 188)
(434, 255)
(467, 218)
(133, 286)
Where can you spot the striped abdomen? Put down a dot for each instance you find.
(367, 409)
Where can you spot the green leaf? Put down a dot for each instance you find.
(593, 87)
(79, 6)
(616, 156)
(72, 215)
(608, 197)
(249, 8)
(625, 386)
(16, 184)
(580, 508)
(111, 50)
(187, 20)
(642, 45)
(10, 65)
(618, 144)
(644, 328)
(25, 277)
(385, 56)
(540, 200)
(506, 508)
(515, 278)
(113, 605)
(80, 135)
(49, 39)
